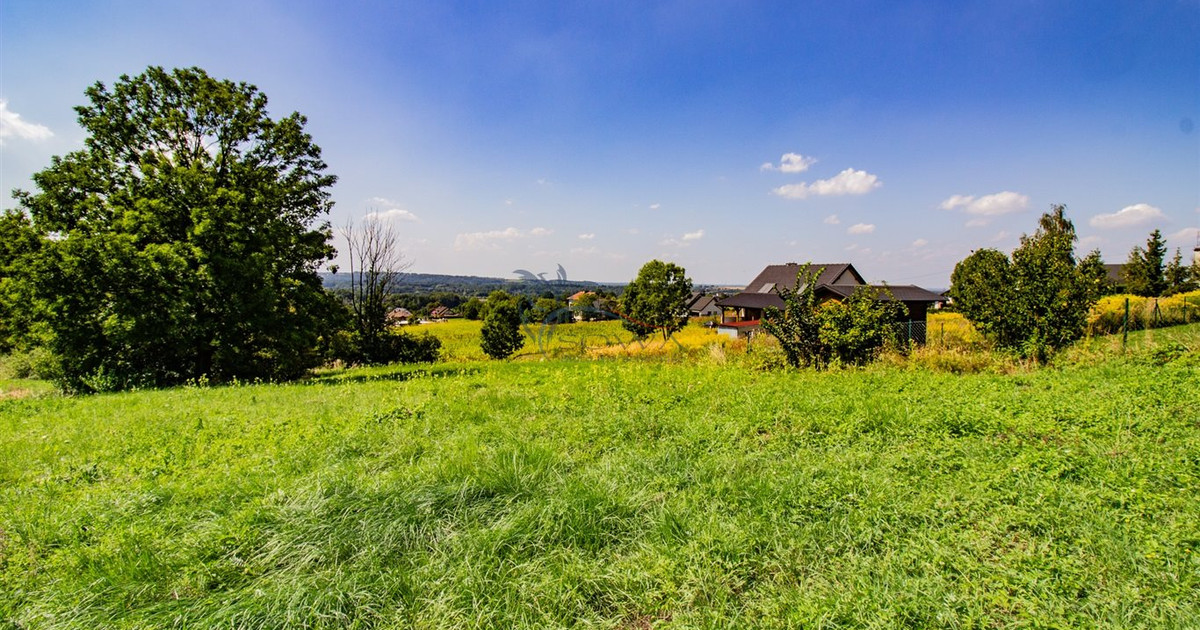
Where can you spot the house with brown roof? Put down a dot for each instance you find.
(441, 313)
(701, 305)
(742, 313)
(399, 316)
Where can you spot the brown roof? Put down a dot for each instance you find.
(901, 292)
(752, 300)
(785, 275)
(763, 290)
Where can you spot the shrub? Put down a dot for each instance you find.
(1108, 315)
(501, 333)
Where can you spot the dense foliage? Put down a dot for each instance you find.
(1143, 272)
(186, 237)
(19, 244)
(656, 300)
(1037, 301)
(501, 335)
(848, 332)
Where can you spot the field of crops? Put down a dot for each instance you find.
(615, 494)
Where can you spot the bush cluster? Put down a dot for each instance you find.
(395, 346)
(816, 334)
(1108, 315)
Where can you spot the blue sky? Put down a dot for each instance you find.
(723, 136)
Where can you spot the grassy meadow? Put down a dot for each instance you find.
(609, 493)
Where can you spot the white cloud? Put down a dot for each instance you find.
(978, 222)
(478, 240)
(790, 163)
(848, 182)
(684, 240)
(861, 228)
(11, 125)
(587, 237)
(1188, 235)
(399, 214)
(920, 243)
(1129, 216)
(1089, 242)
(832, 220)
(1000, 236)
(384, 209)
(1000, 203)
(655, 206)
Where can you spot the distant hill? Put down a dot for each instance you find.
(421, 283)
(472, 285)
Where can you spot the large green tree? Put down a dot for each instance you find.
(1037, 301)
(187, 234)
(656, 300)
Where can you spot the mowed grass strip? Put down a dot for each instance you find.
(610, 494)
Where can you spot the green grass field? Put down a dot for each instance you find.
(613, 494)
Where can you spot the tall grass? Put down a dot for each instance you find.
(616, 494)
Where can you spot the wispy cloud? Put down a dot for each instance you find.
(919, 243)
(683, 241)
(1129, 216)
(12, 125)
(1000, 203)
(790, 163)
(587, 237)
(832, 220)
(492, 238)
(848, 182)
(861, 228)
(655, 206)
(1187, 235)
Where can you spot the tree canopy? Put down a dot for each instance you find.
(656, 299)
(1037, 301)
(1144, 271)
(183, 240)
(501, 335)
